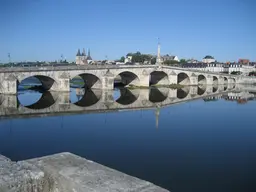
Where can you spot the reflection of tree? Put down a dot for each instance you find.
(210, 99)
(241, 101)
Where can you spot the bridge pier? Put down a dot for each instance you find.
(172, 93)
(143, 80)
(221, 81)
(9, 85)
(221, 87)
(63, 84)
(173, 79)
(144, 94)
(108, 82)
(8, 101)
(209, 80)
(209, 89)
(193, 90)
(193, 79)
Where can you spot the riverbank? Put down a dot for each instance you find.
(66, 172)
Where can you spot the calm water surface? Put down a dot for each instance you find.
(196, 146)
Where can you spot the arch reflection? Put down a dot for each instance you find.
(87, 97)
(158, 95)
(183, 93)
(201, 90)
(46, 100)
(128, 96)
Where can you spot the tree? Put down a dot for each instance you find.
(183, 61)
(122, 59)
(235, 73)
(170, 62)
(153, 61)
(253, 73)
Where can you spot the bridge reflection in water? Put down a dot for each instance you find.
(95, 101)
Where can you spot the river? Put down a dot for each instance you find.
(202, 145)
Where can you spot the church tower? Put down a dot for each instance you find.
(81, 59)
(78, 57)
(89, 58)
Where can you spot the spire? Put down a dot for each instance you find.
(78, 53)
(158, 60)
(83, 54)
(89, 55)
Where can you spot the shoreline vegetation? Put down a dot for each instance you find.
(171, 86)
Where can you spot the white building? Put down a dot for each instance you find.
(215, 67)
(208, 59)
(170, 58)
(128, 59)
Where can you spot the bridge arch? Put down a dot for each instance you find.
(215, 89)
(87, 80)
(232, 80)
(38, 81)
(202, 80)
(127, 78)
(183, 79)
(215, 80)
(158, 78)
(225, 80)
(87, 97)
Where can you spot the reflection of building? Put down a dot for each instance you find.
(79, 93)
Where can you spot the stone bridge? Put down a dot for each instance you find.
(102, 101)
(54, 78)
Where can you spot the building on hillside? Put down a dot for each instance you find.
(170, 58)
(244, 61)
(208, 59)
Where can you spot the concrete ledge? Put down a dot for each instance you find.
(66, 172)
(21, 176)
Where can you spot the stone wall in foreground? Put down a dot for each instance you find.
(66, 172)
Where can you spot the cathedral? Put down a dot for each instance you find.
(83, 59)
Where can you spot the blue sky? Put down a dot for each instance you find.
(45, 29)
